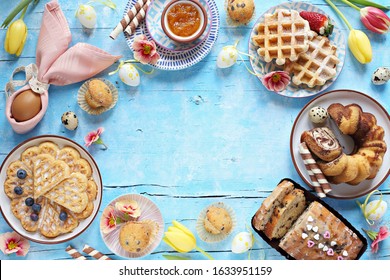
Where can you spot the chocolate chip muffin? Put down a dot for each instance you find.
(240, 11)
(217, 221)
(134, 237)
(98, 94)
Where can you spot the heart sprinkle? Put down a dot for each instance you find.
(320, 245)
(317, 236)
(310, 219)
(345, 253)
(315, 229)
(330, 252)
(304, 235)
(309, 227)
(340, 258)
(310, 243)
(327, 235)
(325, 249)
(333, 243)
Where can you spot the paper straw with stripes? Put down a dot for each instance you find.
(319, 182)
(95, 253)
(74, 253)
(129, 16)
(130, 29)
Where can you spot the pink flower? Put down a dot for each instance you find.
(128, 207)
(108, 220)
(276, 81)
(94, 138)
(377, 237)
(144, 50)
(11, 242)
(375, 19)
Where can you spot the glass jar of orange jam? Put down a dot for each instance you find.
(183, 19)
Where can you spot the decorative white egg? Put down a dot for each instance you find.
(70, 120)
(129, 75)
(242, 242)
(378, 213)
(227, 57)
(318, 114)
(86, 15)
(380, 76)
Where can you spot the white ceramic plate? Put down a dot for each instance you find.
(337, 38)
(345, 97)
(149, 211)
(5, 201)
(153, 24)
(173, 60)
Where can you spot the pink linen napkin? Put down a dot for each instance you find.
(57, 64)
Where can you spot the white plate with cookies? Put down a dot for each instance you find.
(345, 97)
(52, 189)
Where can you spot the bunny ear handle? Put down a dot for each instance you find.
(55, 64)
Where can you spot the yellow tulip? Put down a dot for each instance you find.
(360, 46)
(181, 239)
(15, 37)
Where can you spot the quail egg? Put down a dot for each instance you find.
(378, 212)
(227, 57)
(69, 120)
(318, 114)
(380, 76)
(242, 242)
(129, 75)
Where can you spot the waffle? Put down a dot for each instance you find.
(71, 193)
(283, 35)
(28, 156)
(59, 180)
(317, 65)
(69, 155)
(48, 172)
(49, 148)
(23, 212)
(83, 167)
(50, 224)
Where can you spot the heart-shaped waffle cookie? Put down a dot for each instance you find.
(29, 155)
(23, 213)
(48, 172)
(69, 155)
(71, 193)
(49, 148)
(83, 166)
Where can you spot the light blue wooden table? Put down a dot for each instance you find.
(188, 138)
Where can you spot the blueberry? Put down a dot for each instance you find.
(21, 174)
(36, 207)
(63, 216)
(29, 201)
(18, 190)
(34, 217)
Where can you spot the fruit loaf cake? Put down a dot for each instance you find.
(266, 209)
(285, 214)
(319, 235)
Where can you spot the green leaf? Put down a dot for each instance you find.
(15, 11)
(174, 258)
(370, 3)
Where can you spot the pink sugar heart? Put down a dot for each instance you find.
(340, 258)
(330, 252)
(327, 234)
(310, 243)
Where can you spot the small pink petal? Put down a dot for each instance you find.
(100, 130)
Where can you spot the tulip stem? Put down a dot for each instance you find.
(350, 4)
(204, 253)
(339, 13)
(23, 12)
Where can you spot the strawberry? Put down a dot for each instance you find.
(318, 22)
